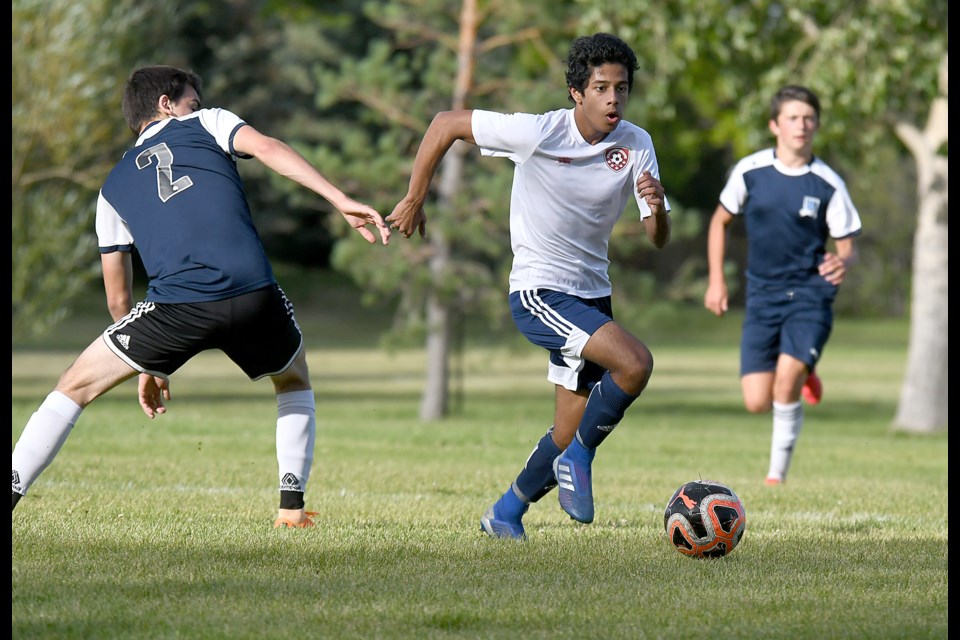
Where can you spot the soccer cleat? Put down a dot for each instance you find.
(306, 520)
(812, 390)
(575, 487)
(771, 481)
(502, 528)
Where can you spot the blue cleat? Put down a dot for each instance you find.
(575, 486)
(497, 527)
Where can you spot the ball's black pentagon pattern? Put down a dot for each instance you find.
(704, 519)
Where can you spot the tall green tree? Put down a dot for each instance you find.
(879, 67)
(67, 131)
(435, 55)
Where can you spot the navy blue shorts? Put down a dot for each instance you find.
(256, 330)
(796, 321)
(562, 323)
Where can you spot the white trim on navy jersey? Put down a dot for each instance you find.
(177, 195)
(567, 195)
(789, 212)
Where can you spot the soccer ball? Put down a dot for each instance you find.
(704, 519)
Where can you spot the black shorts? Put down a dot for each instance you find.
(256, 330)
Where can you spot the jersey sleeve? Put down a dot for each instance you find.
(734, 193)
(223, 126)
(502, 135)
(113, 234)
(843, 219)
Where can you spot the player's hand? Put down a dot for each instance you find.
(715, 299)
(152, 391)
(833, 268)
(651, 190)
(408, 217)
(359, 215)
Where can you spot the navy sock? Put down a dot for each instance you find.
(536, 479)
(604, 411)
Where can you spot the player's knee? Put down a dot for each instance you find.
(636, 369)
(755, 405)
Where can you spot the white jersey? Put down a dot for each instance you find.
(567, 195)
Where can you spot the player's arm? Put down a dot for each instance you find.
(446, 128)
(835, 265)
(118, 285)
(117, 269)
(716, 297)
(286, 161)
(657, 224)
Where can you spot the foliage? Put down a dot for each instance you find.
(353, 86)
(406, 76)
(709, 70)
(66, 133)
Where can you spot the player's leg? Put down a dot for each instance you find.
(540, 315)
(296, 436)
(627, 365)
(504, 519)
(266, 341)
(537, 478)
(759, 348)
(787, 416)
(757, 388)
(93, 373)
(805, 331)
(759, 354)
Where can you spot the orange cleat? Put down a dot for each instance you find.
(812, 390)
(305, 520)
(771, 481)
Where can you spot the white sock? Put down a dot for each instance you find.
(45, 433)
(787, 422)
(296, 433)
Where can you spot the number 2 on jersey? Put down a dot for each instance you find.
(167, 187)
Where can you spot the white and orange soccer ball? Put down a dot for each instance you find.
(704, 519)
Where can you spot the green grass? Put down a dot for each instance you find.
(163, 529)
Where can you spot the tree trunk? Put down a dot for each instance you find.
(440, 310)
(436, 392)
(923, 396)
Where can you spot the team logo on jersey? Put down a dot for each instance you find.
(810, 207)
(617, 158)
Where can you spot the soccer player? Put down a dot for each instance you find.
(791, 203)
(177, 195)
(575, 170)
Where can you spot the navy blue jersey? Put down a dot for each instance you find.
(178, 196)
(790, 213)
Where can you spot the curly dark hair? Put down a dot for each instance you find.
(147, 84)
(588, 52)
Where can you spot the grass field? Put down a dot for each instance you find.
(163, 529)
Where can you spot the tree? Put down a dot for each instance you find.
(875, 66)
(66, 134)
(435, 55)
(923, 397)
